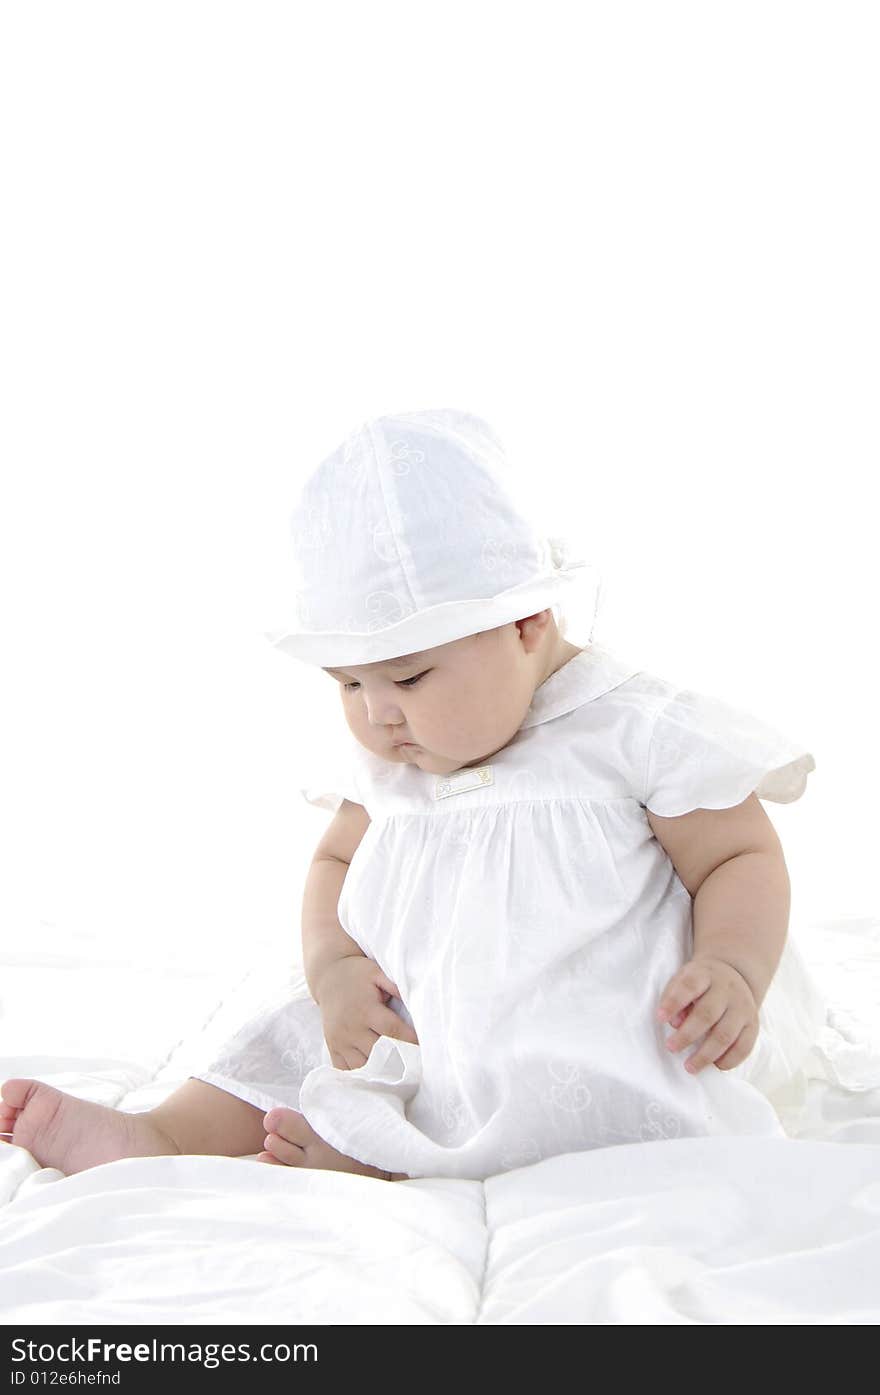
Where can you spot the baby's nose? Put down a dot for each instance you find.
(383, 712)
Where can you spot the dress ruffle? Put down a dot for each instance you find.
(336, 780)
(707, 754)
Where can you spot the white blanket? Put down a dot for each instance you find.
(693, 1230)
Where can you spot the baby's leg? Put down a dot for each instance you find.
(72, 1135)
(62, 1131)
(202, 1118)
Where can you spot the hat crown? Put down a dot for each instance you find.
(410, 512)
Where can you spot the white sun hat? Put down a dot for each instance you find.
(411, 534)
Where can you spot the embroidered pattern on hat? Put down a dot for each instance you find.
(402, 455)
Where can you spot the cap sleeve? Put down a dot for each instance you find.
(337, 778)
(705, 754)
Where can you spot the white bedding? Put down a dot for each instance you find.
(692, 1230)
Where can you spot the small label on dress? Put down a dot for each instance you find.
(457, 781)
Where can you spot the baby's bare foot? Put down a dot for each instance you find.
(291, 1140)
(72, 1135)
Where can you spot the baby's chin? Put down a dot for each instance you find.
(428, 761)
(436, 765)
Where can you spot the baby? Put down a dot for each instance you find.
(506, 877)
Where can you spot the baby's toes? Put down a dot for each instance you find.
(273, 1118)
(290, 1125)
(7, 1120)
(283, 1151)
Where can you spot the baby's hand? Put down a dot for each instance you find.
(353, 996)
(710, 995)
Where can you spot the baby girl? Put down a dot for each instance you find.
(541, 857)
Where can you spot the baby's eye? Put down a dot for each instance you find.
(404, 682)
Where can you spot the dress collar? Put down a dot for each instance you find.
(587, 675)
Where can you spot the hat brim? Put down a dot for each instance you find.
(426, 629)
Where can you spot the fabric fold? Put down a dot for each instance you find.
(362, 1113)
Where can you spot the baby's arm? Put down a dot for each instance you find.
(731, 862)
(324, 942)
(741, 912)
(350, 988)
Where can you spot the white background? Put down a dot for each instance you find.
(640, 239)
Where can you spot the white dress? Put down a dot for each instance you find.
(531, 921)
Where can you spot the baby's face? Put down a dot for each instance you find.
(454, 705)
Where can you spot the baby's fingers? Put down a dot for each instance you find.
(679, 1017)
(383, 982)
(348, 1056)
(724, 1035)
(392, 1025)
(741, 1048)
(701, 1018)
(683, 988)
